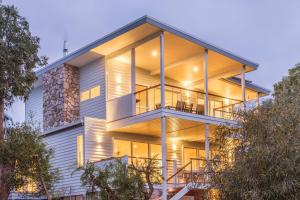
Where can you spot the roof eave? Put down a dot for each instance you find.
(249, 85)
(200, 42)
(134, 24)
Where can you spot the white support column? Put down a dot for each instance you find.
(163, 118)
(257, 100)
(133, 82)
(243, 83)
(206, 112)
(205, 73)
(162, 70)
(207, 145)
(164, 157)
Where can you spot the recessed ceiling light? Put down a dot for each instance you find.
(195, 69)
(186, 83)
(154, 53)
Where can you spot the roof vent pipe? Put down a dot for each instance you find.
(65, 50)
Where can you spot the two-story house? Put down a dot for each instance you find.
(145, 89)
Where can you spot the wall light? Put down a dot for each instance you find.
(118, 79)
(174, 147)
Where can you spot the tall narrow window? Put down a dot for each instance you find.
(85, 95)
(79, 150)
(95, 91)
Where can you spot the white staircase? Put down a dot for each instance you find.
(187, 188)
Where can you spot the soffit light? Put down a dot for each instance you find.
(195, 69)
(154, 53)
(186, 83)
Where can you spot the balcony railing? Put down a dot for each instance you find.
(185, 100)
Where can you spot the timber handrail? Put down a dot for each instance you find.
(181, 88)
(178, 171)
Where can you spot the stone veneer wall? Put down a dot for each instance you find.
(61, 98)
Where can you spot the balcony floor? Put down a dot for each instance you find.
(179, 125)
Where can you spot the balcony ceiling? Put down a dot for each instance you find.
(176, 128)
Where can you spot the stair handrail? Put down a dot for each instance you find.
(179, 170)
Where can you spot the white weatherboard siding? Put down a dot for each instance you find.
(98, 143)
(91, 75)
(119, 80)
(65, 159)
(34, 106)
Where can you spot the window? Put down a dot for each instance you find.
(79, 150)
(155, 151)
(136, 149)
(85, 95)
(140, 150)
(122, 148)
(90, 93)
(95, 91)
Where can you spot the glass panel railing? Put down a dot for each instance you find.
(186, 100)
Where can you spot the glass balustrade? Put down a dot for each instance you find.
(185, 100)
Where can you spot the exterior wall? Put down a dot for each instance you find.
(91, 75)
(34, 106)
(98, 143)
(119, 80)
(60, 96)
(64, 144)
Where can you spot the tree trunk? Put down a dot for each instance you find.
(4, 190)
(1, 119)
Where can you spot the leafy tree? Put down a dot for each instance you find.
(265, 148)
(117, 180)
(28, 160)
(18, 58)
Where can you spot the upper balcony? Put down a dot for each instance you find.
(166, 71)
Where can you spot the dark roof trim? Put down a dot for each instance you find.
(134, 24)
(249, 85)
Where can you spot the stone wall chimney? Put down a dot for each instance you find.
(61, 96)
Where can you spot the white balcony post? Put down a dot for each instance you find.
(164, 157)
(163, 118)
(243, 82)
(205, 72)
(257, 100)
(162, 70)
(132, 90)
(206, 126)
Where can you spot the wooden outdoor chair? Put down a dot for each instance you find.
(200, 109)
(157, 106)
(180, 105)
(188, 107)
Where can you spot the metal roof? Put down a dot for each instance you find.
(249, 85)
(136, 23)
